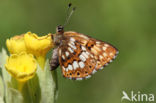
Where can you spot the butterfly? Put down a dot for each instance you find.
(79, 55)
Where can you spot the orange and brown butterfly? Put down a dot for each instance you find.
(78, 55)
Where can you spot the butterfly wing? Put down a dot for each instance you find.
(103, 52)
(80, 56)
(76, 63)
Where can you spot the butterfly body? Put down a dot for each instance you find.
(78, 55)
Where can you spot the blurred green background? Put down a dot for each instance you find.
(130, 25)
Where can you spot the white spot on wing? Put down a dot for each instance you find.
(87, 53)
(104, 48)
(114, 56)
(117, 52)
(72, 46)
(83, 48)
(82, 65)
(111, 54)
(66, 69)
(84, 42)
(84, 54)
(63, 68)
(71, 50)
(101, 68)
(101, 57)
(75, 65)
(72, 43)
(70, 67)
(88, 76)
(97, 48)
(63, 57)
(104, 54)
(70, 78)
(67, 53)
(108, 59)
(97, 42)
(82, 58)
(106, 45)
(106, 64)
(78, 78)
(84, 36)
(72, 39)
(94, 51)
(94, 71)
(111, 61)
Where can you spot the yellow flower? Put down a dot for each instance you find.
(31, 43)
(16, 44)
(38, 46)
(21, 66)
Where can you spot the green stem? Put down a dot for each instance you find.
(41, 61)
(20, 85)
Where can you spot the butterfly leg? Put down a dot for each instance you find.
(54, 62)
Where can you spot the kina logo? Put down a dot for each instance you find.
(137, 97)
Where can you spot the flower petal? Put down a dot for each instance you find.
(21, 66)
(38, 46)
(16, 44)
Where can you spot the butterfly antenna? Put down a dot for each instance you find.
(69, 6)
(69, 14)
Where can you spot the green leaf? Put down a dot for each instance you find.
(1, 90)
(11, 95)
(48, 84)
(14, 96)
(31, 91)
(1, 100)
(5, 75)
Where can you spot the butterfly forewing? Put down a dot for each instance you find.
(75, 60)
(80, 56)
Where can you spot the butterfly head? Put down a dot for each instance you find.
(60, 29)
(59, 35)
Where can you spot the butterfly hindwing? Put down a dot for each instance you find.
(103, 52)
(80, 56)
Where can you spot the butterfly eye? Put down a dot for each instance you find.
(60, 27)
